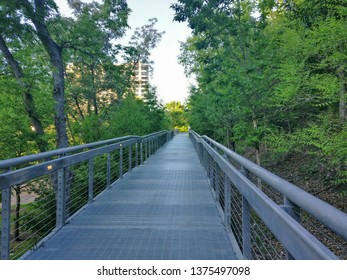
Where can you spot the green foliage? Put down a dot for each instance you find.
(16, 139)
(98, 98)
(157, 116)
(271, 76)
(177, 114)
(129, 119)
(144, 40)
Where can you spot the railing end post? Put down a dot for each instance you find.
(6, 224)
(61, 198)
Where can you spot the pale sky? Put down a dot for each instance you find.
(168, 76)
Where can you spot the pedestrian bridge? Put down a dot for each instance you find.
(161, 196)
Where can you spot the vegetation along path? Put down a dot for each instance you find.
(161, 210)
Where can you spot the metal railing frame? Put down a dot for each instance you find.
(43, 164)
(299, 243)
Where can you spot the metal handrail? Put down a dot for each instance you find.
(57, 164)
(297, 240)
(8, 163)
(333, 218)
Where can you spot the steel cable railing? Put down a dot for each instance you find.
(41, 192)
(269, 217)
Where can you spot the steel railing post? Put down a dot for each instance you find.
(130, 157)
(141, 153)
(209, 163)
(149, 147)
(217, 182)
(213, 175)
(91, 180)
(61, 198)
(146, 150)
(246, 222)
(289, 207)
(6, 223)
(121, 161)
(246, 229)
(227, 202)
(136, 154)
(108, 171)
(200, 151)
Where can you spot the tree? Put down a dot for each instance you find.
(97, 81)
(156, 110)
(110, 17)
(231, 65)
(271, 75)
(39, 13)
(177, 113)
(143, 41)
(129, 119)
(11, 24)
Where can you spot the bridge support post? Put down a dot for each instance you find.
(6, 223)
(130, 157)
(246, 222)
(217, 182)
(61, 198)
(227, 202)
(136, 154)
(91, 180)
(201, 152)
(202, 156)
(289, 208)
(146, 152)
(121, 161)
(246, 229)
(150, 147)
(210, 169)
(161, 141)
(108, 171)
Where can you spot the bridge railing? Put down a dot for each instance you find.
(269, 217)
(42, 192)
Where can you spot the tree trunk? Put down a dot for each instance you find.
(95, 102)
(256, 148)
(231, 143)
(28, 98)
(56, 59)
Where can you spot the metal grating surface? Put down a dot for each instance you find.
(163, 209)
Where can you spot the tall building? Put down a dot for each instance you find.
(141, 79)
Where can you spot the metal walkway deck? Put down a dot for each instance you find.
(162, 209)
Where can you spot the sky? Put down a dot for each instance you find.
(168, 75)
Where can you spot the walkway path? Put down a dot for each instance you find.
(161, 210)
